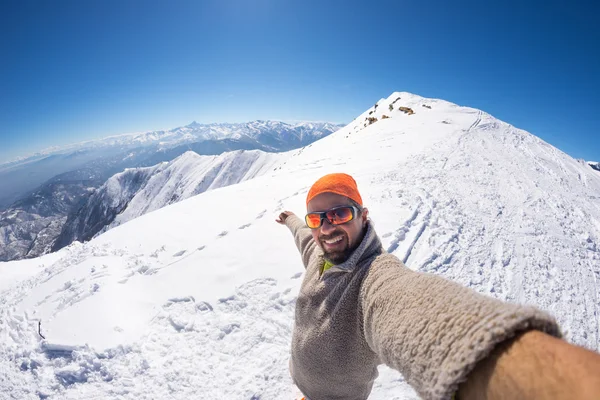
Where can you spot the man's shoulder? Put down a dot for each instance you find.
(387, 258)
(384, 268)
(385, 261)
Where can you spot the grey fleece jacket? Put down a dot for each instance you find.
(372, 309)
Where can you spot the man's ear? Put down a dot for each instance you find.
(365, 216)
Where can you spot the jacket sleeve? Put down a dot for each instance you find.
(303, 238)
(434, 331)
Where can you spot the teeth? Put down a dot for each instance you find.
(334, 240)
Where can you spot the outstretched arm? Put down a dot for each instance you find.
(434, 331)
(302, 235)
(535, 366)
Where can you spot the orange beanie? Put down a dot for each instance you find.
(342, 184)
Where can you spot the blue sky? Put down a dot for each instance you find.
(76, 70)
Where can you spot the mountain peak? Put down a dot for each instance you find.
(194, 124)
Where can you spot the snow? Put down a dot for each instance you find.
(196, 299)
(188, 175)
(59, 159)
(14, 272)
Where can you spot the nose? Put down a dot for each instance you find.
(327, 227)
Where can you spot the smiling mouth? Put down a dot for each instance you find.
(334, 240)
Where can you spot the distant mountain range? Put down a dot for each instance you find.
(113, 154)
(37, 193)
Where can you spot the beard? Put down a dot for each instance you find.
(340, 255)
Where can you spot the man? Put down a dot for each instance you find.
(359, 306)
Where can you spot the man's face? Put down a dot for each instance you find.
(337, 241)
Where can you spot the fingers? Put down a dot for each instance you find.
(283, 216)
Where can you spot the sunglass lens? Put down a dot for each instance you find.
(313, 220)
(340, 215)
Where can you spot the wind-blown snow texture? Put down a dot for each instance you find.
(196, 299)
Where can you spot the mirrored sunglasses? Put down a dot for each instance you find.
(335, 216)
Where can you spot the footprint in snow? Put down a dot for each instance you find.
(262, 214)
(244, 226)
(146, 270)
(159, 250)
(180, 313)
(99, 275)
(179, 253)
(204, 306)
(296, 276)
(232, 304)
(185, 299)
(223, 234)
(227, 329)
(226, 299)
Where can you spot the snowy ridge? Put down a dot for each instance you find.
(104, 204)
(191, 174)
(137, 191)
(197, 298)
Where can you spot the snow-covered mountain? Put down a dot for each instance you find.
(280, 133)
(148, 148)
(196, 299)
(595, 165)
(275, 134)
(31, 225)
(137, 191)
(25, 232)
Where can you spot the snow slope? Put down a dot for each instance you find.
(136, 191)
(196, 299)
(191, 174)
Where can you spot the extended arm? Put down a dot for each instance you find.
(535, 366)
(435, 331)
(302, 235)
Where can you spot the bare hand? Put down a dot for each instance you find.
(283, 216)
